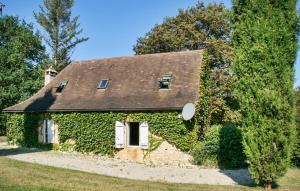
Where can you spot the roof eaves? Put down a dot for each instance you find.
(95, 110)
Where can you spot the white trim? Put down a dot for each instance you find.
(127, 135)
(44, 130)
(144, 135)
(119, 134)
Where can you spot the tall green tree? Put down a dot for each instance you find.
(195, 28)
(296, 152)
(298, 108)
(62, 31)
(191, 29)
(22, 55)
(265, 47)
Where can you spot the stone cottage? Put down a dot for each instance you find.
(124, 106)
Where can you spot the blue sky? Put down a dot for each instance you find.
(113, 26)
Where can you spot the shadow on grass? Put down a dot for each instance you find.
(9, 151)
(17, 151)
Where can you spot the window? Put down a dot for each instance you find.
(61, 86)
(103, 84)
(164, 82)
(134, 133)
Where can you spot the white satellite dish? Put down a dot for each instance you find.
(188, 111)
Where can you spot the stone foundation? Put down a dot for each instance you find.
(131, 153)
(165, 154)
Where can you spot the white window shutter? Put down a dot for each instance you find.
(50, 131)
(144, 128)
(119, 135)
(44, 130)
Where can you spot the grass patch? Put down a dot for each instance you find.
(17, 175)
(291, 181)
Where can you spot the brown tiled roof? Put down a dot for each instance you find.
(133, 84)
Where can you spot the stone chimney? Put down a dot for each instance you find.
(50, 74)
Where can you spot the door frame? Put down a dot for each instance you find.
(47, 130)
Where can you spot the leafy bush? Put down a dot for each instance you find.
(231, 153)
(221, 147)
(66, 147)
(206, 152)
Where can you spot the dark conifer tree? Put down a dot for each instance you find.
(265, 47)
(62, 31)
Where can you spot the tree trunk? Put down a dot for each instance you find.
(268, 185)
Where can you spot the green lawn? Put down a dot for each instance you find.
(16, 175)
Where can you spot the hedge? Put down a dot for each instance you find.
(221, 147)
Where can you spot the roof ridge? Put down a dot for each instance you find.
(139, 55)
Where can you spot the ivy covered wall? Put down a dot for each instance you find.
(22, 129)
(95, 131)
(92, 132)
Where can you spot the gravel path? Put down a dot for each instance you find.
(126, 169)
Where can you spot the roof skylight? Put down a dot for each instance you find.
(103, 84)
(61, 86)
(165, 81)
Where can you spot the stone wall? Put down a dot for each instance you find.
(131, 153)
(165, 154)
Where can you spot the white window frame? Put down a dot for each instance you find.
(127, 132)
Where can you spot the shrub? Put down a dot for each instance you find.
(221, 147)
(231, 153)
(206, 151)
